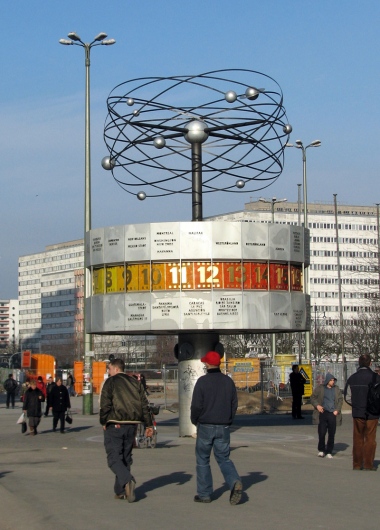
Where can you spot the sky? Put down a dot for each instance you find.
(323, 54)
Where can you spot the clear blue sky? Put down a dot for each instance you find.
(324, 55)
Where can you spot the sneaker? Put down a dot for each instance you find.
(329, 455)
(321, 454)
(236, 493)
(130, 490)
(205, 500)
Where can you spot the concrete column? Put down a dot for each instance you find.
(191, 348)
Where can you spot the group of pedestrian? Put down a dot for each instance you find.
(57, 398)
(327, 400)
(123, 405)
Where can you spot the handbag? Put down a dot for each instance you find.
(23, 427)
(21, 418)
(69, 418)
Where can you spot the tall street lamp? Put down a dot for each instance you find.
(299, 145)
(273, 201)
(87, 339)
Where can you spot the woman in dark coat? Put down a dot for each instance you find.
(60, 402)
(33, 398)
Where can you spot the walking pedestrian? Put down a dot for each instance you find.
(33, 398)
(327, 401)
(60, 402)
(41, 385)
(213, 408)
(364, 424)
(70, 385)
(49, 387)
(123, 405)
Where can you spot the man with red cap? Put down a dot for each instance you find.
(213, 408)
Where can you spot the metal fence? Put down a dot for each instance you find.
(271, 391)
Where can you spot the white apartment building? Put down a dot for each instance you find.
(358, 232)
(51, 295)
(9, 324)
(51, 308)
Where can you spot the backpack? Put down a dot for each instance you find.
(373, 397)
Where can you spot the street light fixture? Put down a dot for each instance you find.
(299, 145)
(74, 39)
(273, 201)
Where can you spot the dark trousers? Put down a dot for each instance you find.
(327, 425)
(296, 405)
(11, 399)
(118, 443)
(364, 443)
(59, 416)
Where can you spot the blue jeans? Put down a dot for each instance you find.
(215, 437)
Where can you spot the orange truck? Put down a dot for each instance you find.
(39, 364)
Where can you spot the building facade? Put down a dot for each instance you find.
(51, 296)
(358, 240)
(9, 334)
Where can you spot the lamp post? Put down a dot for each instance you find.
(87, 339)
(273, 201)
(299, 145)
(14, 334)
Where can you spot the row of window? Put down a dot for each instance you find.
(346, 309)
(62, 281)
(335, 294)
(62, 267)
(349, 268)
(58, 293)
(344, 240)
(30, 282)
(24, 322)
(341, 226)
(343, 254)
(30, 311)
(48, 259)
(59, 314)
(58, 303)
(33, 301)
(55, 325)
(346, 281)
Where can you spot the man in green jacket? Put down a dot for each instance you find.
(123, 404)
(327, 401)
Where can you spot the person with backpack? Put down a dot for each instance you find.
(356, 393)
(10, 386)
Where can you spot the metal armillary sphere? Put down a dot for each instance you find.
(204, 133)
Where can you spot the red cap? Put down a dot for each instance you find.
(211, 357)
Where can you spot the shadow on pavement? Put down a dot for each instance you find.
(178, 477)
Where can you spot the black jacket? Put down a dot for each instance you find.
(297, 383)
(356, 390)
(123, 400)
(214, 399)
(32, 402)
(59, 398)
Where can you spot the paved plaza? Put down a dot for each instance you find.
(62, 481)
